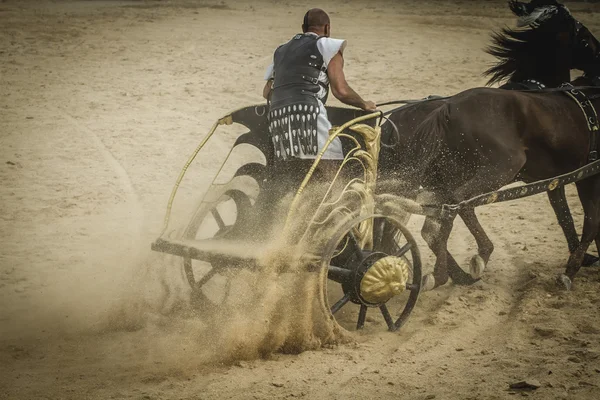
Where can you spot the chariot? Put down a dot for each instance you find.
(330, 224)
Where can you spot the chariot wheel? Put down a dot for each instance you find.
(226, 209)
(374, 282)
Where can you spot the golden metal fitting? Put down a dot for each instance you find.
(384, 279)
(492, 199)
(553, 185)
(226, 120)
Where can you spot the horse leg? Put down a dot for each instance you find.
(436, 232)
(589, 194)
(484, 182)
(485, 247)
(558, 201)
(433, 235)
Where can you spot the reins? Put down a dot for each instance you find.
(406, 103)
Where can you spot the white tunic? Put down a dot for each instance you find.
(328, 48)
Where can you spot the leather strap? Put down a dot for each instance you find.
(591, 117)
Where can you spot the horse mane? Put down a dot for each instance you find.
(514, 50)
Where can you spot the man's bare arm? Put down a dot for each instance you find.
(340, 88)
(267, 89)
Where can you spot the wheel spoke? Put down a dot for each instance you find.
(189, 272)
(355, 247)
(218, 218)
(340, 303)
(206, 278)
(378, 233)
(226, 290)
(386, 315)
(362, 314)
(385, 235)
(403, 250)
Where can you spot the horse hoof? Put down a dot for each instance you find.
(564, 281)
(476, 266)
(590, 260)
(428, 283)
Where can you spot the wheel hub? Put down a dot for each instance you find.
(384, 279)
(376, 279)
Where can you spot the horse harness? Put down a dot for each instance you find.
(528, 84)
(591, 116)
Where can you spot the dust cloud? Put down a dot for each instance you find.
(241, 314)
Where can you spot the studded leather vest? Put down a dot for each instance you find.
(294, 106)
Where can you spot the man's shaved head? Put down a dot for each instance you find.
(315, 20)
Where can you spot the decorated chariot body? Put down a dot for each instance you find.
(339, 230)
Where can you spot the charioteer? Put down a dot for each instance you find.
(297, 87)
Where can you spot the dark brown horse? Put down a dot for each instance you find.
(531, 14)
(482, 139)
(524, 56)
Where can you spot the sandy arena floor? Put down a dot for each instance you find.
(101, 103)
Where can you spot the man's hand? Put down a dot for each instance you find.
(370, 106)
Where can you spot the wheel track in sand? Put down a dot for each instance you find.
(122, 174)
